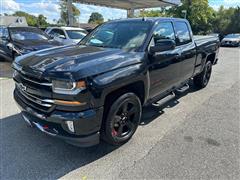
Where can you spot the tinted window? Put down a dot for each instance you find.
(164, 31)
(182, 32)
(21, 34)
(123, 35)
(75, 34)
(57, 32)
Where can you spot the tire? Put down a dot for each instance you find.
(201, 80)
(122, 119)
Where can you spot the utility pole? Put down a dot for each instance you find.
(189, 10)
(185, 13)
(130, 13)
(70, 12)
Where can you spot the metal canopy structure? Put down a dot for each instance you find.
(129, 5)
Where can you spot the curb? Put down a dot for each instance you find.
(4, 78)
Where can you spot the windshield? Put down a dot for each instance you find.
(123, 35)
(76, 34)
(233, 36)
(22, 34)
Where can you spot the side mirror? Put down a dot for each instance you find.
(4, 38)
(163, 45)
(61, 37)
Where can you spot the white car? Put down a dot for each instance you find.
(66, 35)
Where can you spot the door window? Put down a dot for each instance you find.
(57, 32)
(182, 33)
(163, 31)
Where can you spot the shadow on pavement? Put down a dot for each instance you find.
(30, 154)
(152, 112)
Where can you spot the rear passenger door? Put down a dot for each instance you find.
(185, 42)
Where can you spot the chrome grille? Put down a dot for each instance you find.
(36, 82)
(34, 101)
(31, 79)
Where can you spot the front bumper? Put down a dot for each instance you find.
(87, 124)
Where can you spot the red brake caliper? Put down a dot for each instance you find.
(114, 132)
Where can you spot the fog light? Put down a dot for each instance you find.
(70, 125)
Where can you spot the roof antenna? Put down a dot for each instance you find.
(143, 18)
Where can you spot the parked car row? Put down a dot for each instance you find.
(16, 41)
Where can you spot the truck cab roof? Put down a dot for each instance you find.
(152, 19)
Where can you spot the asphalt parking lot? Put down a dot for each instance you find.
(194, 136)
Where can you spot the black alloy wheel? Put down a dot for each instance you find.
(207, 74)
(123, 119)
(203, 78)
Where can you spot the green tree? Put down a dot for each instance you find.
(227, 20)
(153, 13)
(96, 18)
(202, 17)
(31, 20)
(64, 12)
(42, 21)
(199, 14)
(234, 25)
(222, 20)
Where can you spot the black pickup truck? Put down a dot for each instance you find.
(96, 89)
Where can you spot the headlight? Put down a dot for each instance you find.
(68, 87)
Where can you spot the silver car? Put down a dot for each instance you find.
(231, 40)
(66, 35)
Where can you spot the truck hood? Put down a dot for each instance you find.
(76, 62)
(36, 45)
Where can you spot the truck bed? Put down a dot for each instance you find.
(200, 40)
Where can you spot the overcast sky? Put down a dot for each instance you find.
(50, 8)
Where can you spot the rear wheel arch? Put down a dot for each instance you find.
(211, 58)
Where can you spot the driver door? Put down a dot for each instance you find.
(164, 67)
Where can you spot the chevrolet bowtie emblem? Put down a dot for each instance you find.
(22, 87)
